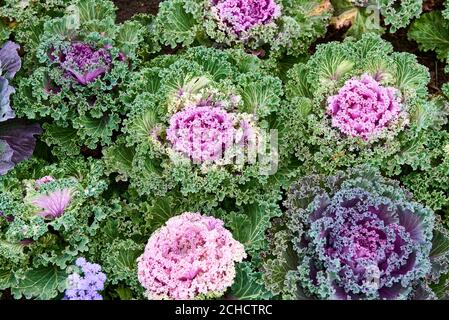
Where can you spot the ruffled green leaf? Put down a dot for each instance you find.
(249, 227)
(129, 36)
(248, 284)
(119, 158)
(177, 22)
(399, 15)
(42, 283)
(64, 138)
(261, 95)
(431, 31)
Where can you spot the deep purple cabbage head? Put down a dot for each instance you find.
(17, 142)
(85, 63)
(364, 240)
(243, 15)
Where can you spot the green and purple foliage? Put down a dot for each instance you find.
(356, 235)
(224, 149)
(276, 26)
(50, 215)
(84, 60)
(17, 138)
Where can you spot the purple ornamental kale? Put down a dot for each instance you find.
(17, 139)
(10, 64)
(86, 286)
(363, 238)
(17, 142)
(84, 63)
(243, 15)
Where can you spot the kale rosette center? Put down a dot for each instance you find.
(201, 132)
(191, 256)
(85, 63)
(363, 107)
(242, 15)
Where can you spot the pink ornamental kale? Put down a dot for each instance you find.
(53, 204)
(44, 180)
(243, 15)
(84, 63)
(363, 107)
(191, 255)
(201, 133)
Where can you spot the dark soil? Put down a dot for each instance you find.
(5, 294)
(128, 8)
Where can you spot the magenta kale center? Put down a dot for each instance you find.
(201, 133)
(243, 15)
(363, 107)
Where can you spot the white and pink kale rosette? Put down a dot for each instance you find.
(191, 257)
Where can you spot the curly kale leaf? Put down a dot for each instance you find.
(431, 32)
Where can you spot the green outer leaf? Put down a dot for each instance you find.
(118, 158)
(249, 227)
(431, 31)
(44, 283)
(178, 22)
(248, 284)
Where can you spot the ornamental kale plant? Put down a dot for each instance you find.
(356, 235)
(49, 216)
(200, 123)
(192, 256)
(121, 239)
(359, 102)
(277, 26)
(84, 60)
